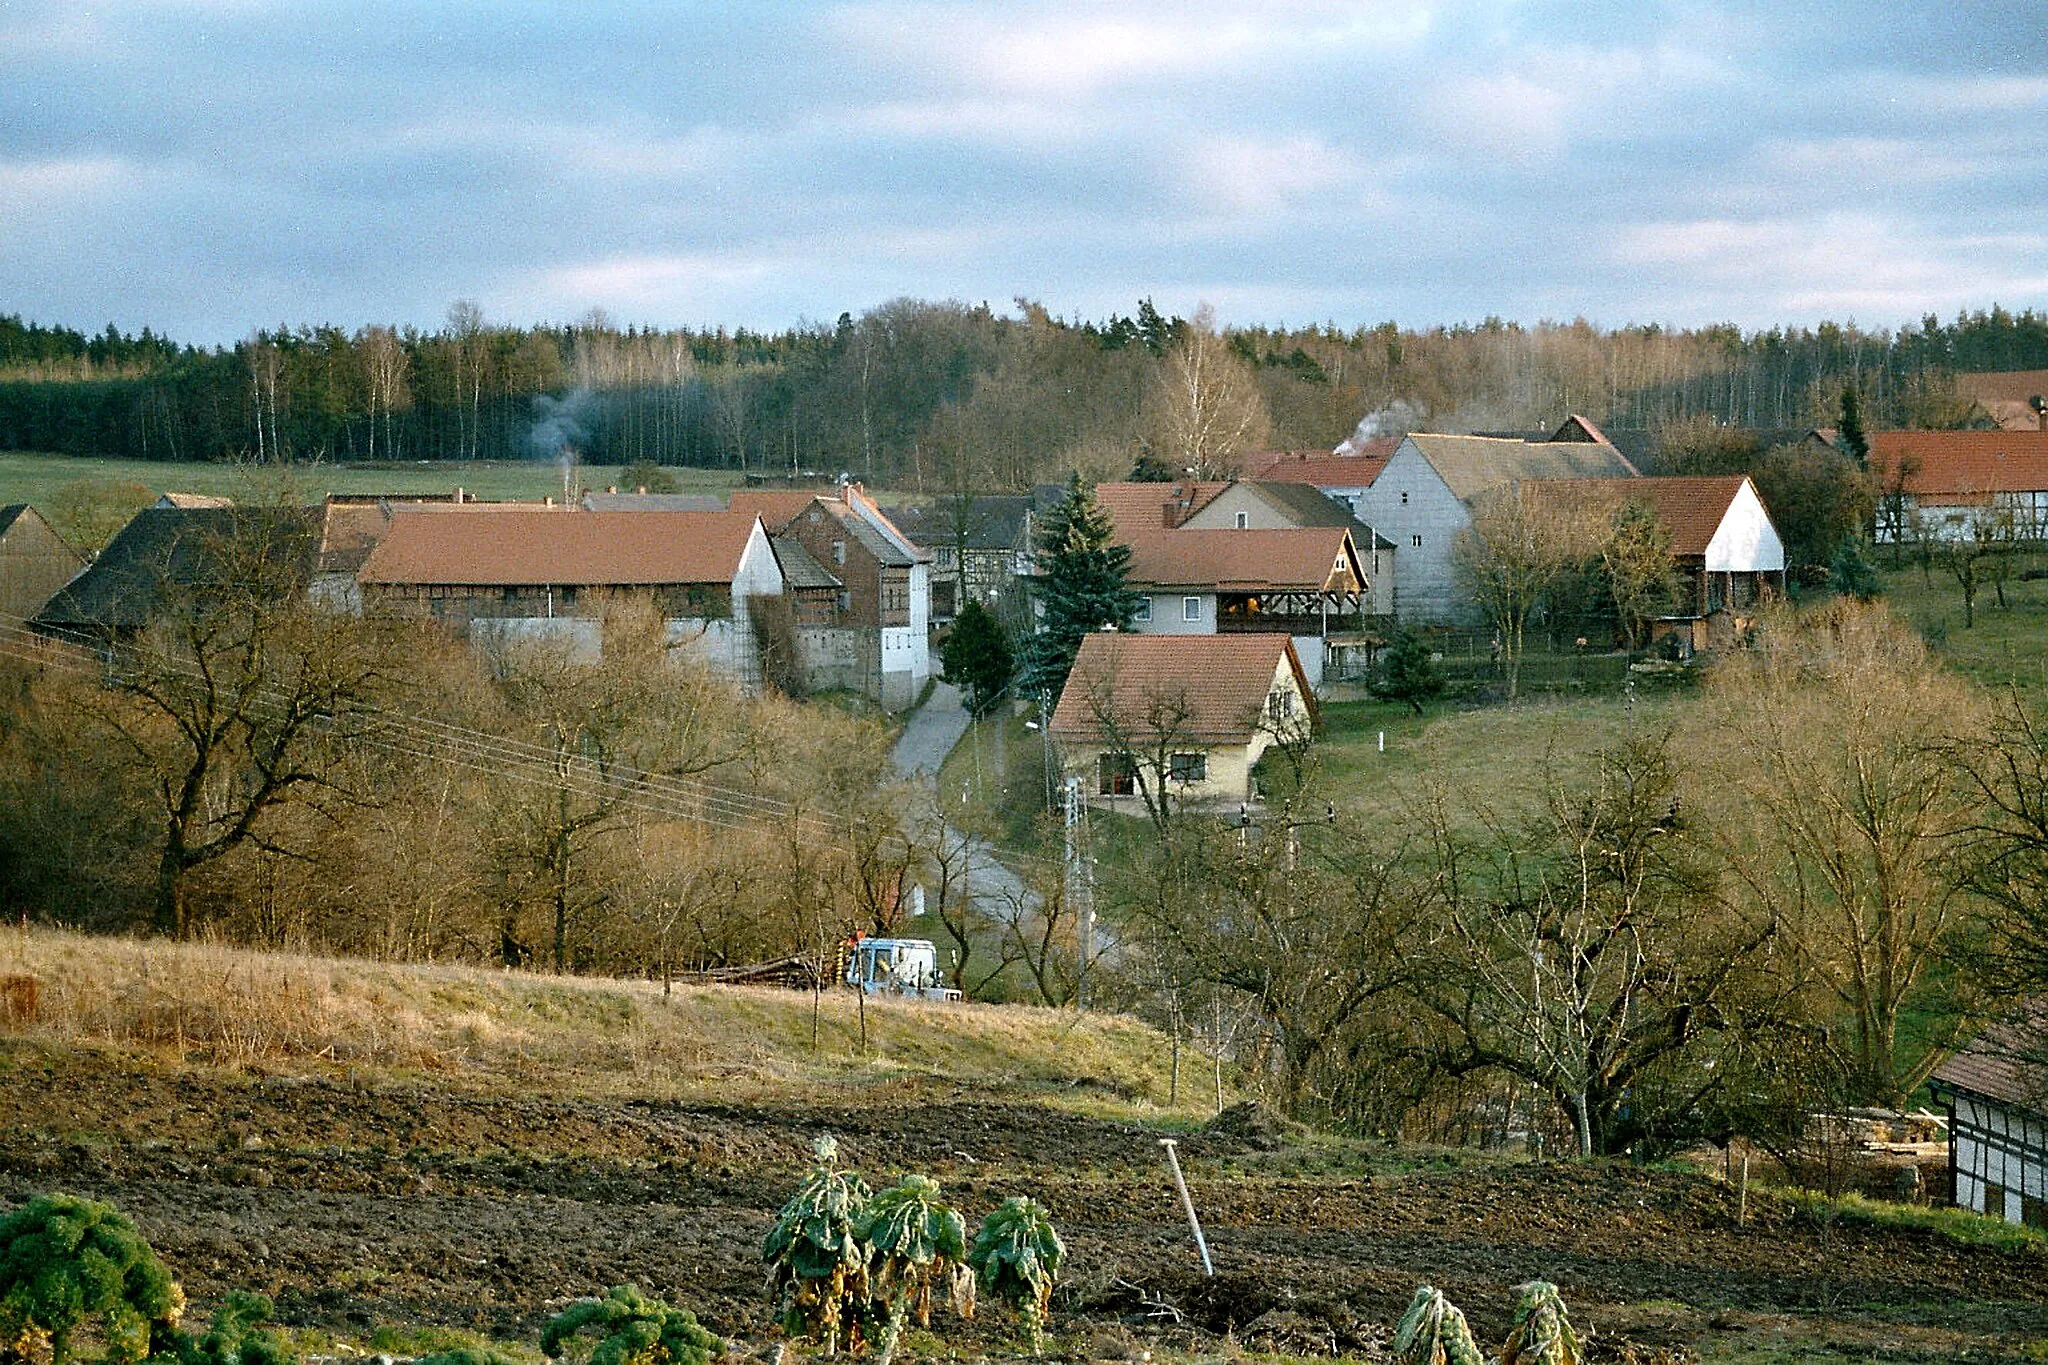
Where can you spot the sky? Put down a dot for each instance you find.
(208, 167)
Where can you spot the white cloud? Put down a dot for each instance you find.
(1251, 175)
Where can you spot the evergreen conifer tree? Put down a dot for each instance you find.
(1849, 434)
(1851, 572)
(1081, 586)
(976, 657)
(1407, 673)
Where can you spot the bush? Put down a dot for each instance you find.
(236, 1336)
(1017, 1256)
(915, 1244)
(632, 1330)
(67, 1262)
(466, 1355)
(818, 1281)
(1434, 1332)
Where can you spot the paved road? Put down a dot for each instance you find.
(931, 733)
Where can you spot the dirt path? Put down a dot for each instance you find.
(416, 1205)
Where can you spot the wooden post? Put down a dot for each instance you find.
(1742, 1194)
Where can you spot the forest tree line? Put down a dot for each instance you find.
(927, 394)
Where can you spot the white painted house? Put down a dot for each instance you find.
(1996, 1091)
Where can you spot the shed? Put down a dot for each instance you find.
(1996, 1092)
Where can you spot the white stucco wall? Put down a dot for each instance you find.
(1745, 541)
(1166, 615)
(1409, 500)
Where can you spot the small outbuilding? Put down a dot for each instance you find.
(1996, 1092)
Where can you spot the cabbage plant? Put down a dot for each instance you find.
(1434, 1332)
(67, 1262)
(631, 1329)
(916, 1245)
(817, 1259)
(1017, 1255)
(1542, 1333)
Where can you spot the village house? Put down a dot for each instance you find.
(525, 573)
(1423, 499)
(168, 556)
(1725, 550)
(1305, 583)
(34, 562)
(1178, 719)
(1344, 477)
(2012, 400)
(1262, 505)
(352, 525)
(980, 549)
(876, 640)
(1953, 485)
(1996, 1093)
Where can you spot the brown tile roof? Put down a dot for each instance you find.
(2006, 1063)
(348, 532)
(1299, 559)
(1469, 465)
(530, 547)
(1692, 507)
(1322, 469)
(2003, 386)
(776, 507)
(1962, 466)
(1137, 507)
(1214, 686)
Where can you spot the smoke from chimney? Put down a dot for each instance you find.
(1397, 418)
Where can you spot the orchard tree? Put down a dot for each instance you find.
(1082, 586)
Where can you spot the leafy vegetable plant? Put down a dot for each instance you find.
(915, 1245)
(818, 1261)
(1016, 1255)
(632, 1329)
(1542, 1334)
(67, 1262)
(1434, 1332)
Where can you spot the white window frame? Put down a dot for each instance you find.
(1191, 609)
(1244, 521)
(1144, 611)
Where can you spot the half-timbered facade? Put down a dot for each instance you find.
(1996, 1092)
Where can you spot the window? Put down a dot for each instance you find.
(1144, 611)
(1404, 498)
(1190, 608)
(511, 594)
(845, 600)
(1416, 541)
(1116, 775)
(839, 552)
(1280, 704)
(568, 596)
(1188, 767)
(1244, 521)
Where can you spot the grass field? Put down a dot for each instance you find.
(2006, 647)
(34, 478)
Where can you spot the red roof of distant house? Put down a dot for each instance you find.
(1209, 687)
(1692, 507)
(533, 547)
(776, 507)
(1324, 469)
(1138, 507)
(1301, 559)
(2008, 1063)
(1961, 466)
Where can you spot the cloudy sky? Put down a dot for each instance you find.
(210, 166)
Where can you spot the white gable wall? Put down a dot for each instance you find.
(1745, 541)
(1999, 1158)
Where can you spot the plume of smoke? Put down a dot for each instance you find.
(1397, 418)
(559, 424)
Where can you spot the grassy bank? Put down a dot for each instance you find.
(239, 1008)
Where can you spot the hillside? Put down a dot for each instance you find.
(410, 1158)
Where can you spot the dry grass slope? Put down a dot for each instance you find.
(234, 1007)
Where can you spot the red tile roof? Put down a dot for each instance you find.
(537, 546)
(1692, 507)
(1300, 559)
(1138, 507)
(1204, 687)
(1321, 468)
(776, 507)
(1961, 466)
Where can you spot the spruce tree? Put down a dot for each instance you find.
(1407, 673)
(1849, 434)
(976, 657)
(1081, 586)
(1851, 573)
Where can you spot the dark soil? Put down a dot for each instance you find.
(356, 1205)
